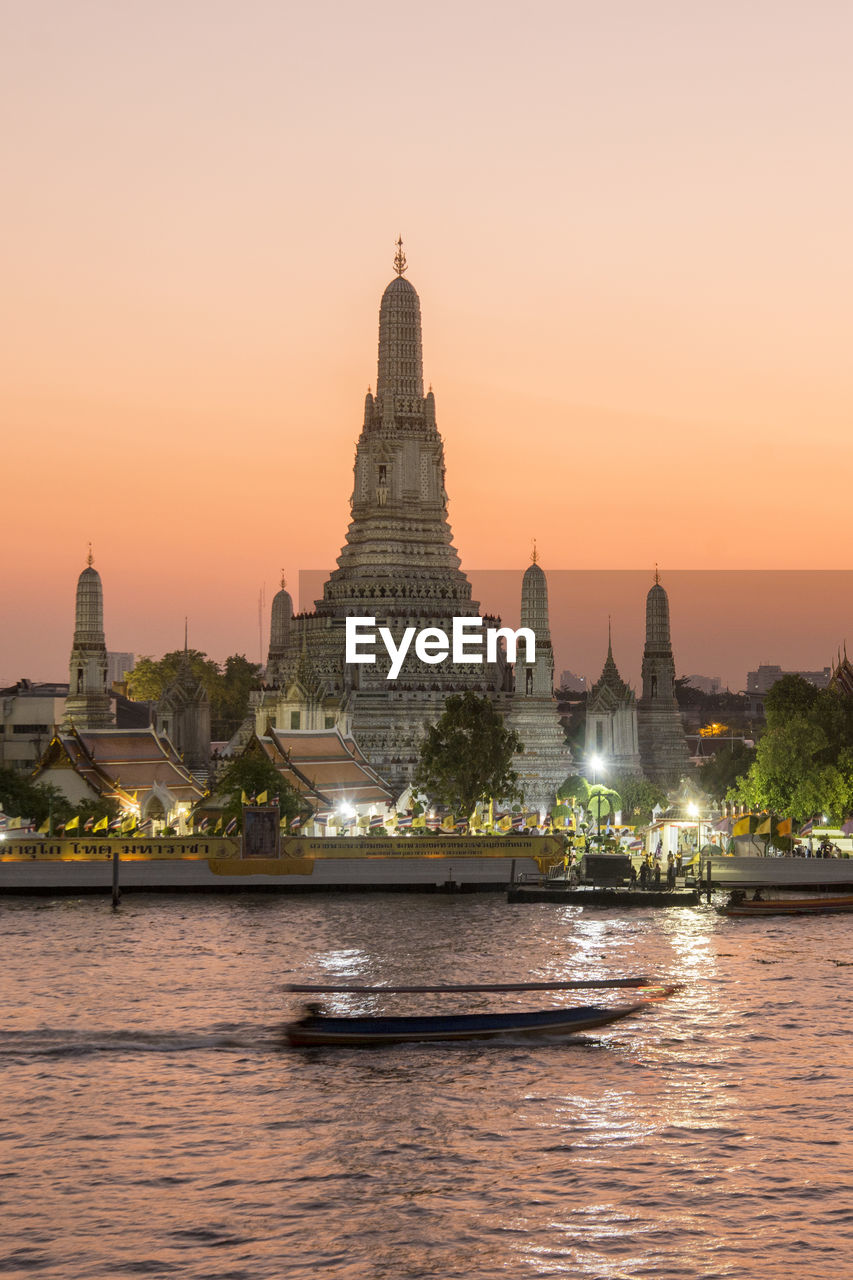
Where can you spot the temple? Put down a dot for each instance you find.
(663, 747)
(611, 720)
(398, 565)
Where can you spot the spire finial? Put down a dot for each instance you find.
(534, 559)
(400, 263)
(90, 559)
(283, 580)
(609, 639)
(657, 575)
(186, 636)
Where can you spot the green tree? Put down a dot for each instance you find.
(150, 678)
(804, 762)
(227, 688)
(790, 698)
(466, 757)
(252, 775)
(723, 770)
(639, 797)
(239, 677)
(20, 797)
(575, 789)
(603, 802)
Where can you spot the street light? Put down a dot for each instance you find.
(596, 763)
(693, 810)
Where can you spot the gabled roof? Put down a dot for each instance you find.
(121, 763)
(609, 689)
(323, 764)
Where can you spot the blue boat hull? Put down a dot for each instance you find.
(317, 1029)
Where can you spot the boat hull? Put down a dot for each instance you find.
(791, 907)
(551, 1023)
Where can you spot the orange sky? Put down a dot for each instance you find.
(629, 225)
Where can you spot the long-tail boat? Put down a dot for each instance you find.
(316, 1027)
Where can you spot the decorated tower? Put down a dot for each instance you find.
(663, 747)
(547, 760)
(88, 705)
(398, 565)
(280, 618)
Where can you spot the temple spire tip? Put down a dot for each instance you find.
(90, 559)
(400, 264)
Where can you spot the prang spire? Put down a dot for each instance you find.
(400, 374)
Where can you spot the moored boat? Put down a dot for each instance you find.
(758, 907)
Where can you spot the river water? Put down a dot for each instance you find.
(154, 1124)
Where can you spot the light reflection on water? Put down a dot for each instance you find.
(156, 1126)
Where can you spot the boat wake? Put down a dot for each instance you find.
(64, 1042)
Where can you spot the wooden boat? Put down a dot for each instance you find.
(739, 905)
(316, 1027)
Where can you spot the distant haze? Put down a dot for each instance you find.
(629, 226)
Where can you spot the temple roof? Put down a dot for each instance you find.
(121, 763)
(324, 765)
(610, 689)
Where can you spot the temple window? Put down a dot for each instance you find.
(295, 719)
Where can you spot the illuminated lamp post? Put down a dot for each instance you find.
(693, 810)
(596, 764)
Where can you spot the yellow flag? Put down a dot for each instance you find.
(45, 827)
(218, 826)
(263, 797)
(244, 799)
(103, 824)
(419, 824)
(764, 829)
(505, 823)
(742, 828)
(785, 827)
(448, 823)
(73, 824)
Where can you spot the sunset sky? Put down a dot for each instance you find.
(629, 224)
